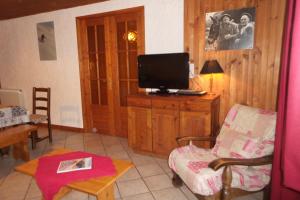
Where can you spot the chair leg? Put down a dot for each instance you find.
(34, 136)
(50, 131)
(226, 179)
(176, 180)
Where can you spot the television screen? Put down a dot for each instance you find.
(164, 71)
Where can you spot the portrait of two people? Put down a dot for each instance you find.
(232, 29)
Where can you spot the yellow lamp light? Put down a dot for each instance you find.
(130, 36)
(211, 67)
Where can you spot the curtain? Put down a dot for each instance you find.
(286, 163)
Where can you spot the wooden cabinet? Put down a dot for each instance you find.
(195, 124)
(165, 126)
(139, 122)
(155, 121)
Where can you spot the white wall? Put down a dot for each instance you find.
(20, 66)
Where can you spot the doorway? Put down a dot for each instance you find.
(109, 44)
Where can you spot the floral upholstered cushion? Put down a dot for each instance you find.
(191, 164)
(13, 115)
(246, 133)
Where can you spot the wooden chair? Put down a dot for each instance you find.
(239, 163)
(40, 113)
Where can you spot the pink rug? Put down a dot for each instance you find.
(50, 182)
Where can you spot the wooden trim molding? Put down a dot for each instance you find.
(64, 128)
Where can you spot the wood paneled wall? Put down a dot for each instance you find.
(251, 76)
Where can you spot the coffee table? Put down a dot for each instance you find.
(102, 188)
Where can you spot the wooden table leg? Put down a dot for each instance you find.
(20, 150)
(61, 193)
(107, 194)
(25, 151)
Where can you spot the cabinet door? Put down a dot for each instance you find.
(165, 127)
(139, 128)
(195, 124)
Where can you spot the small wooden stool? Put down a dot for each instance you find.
(18, 137)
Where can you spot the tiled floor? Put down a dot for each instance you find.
(149, 180)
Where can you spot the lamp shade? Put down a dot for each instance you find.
(211, 66)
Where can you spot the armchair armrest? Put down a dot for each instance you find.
(218, 163)
(195, 138)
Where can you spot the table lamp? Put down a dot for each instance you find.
(211, 67)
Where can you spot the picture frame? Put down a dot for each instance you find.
(46, 40)
(230, 29)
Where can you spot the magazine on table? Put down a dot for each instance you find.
(75, 165)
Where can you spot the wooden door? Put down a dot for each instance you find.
(108, 67)
(195, 124)
(165, 127)
(97, 76)
(125, 70)
(140, 128)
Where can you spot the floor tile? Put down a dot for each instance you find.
(145, 196)
(91, 136)
(186, 191)
(76, 195)
(120, 155)
(6, 166)
(97, 151)
(57, 145)
(132, 187)
(93, 144)
(14, 186)
(114, 148)
(158, 182)
(255, 196)
(33, 191)
(142, 159)
(2, 180)
(131, 174)
(35, 198)
(124, 142)
(109, 140)
(163, 163)
(78, 147)
(91, 197)
(116, 191)
(169, 194)
(150, 170)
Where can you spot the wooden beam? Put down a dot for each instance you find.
(19, 8)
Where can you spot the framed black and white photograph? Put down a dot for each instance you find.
(230, 29)
(46, 40)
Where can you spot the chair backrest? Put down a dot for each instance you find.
(41, 101)
(246, 133)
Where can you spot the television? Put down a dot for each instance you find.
(164, 71)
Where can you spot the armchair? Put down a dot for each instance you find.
(238, 164)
